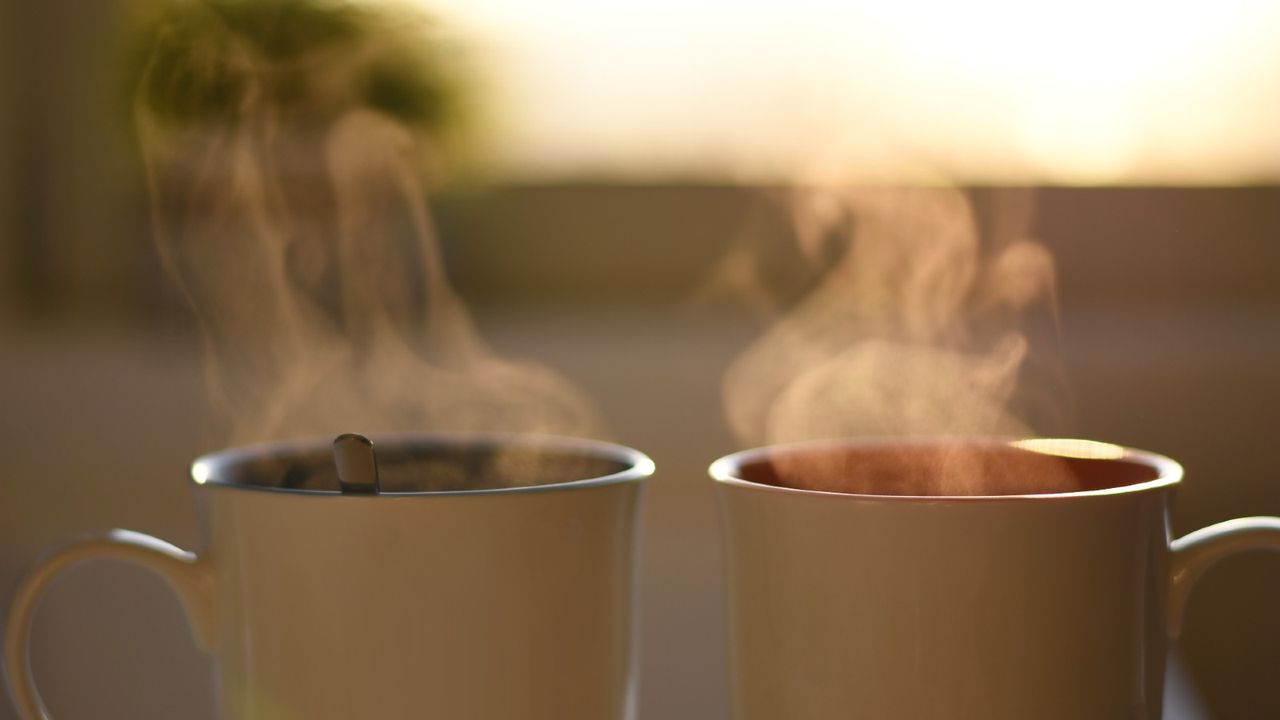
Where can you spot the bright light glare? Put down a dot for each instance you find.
(201, 472)
(1082, 449)
(1087, 91)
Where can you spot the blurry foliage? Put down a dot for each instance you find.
(198, 62)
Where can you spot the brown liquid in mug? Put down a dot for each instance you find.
(941, 469)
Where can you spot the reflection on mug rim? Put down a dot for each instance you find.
(1168, 472)
(636, 465)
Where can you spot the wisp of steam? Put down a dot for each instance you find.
(916, 330)
(286, 144)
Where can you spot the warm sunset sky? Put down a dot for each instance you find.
(998, 90)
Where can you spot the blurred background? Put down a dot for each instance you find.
(607, 202)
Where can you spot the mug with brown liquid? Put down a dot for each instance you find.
(957, 579)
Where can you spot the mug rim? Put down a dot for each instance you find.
(725, 470)
(203, 470)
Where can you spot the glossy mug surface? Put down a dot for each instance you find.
(492, 578)
(854, 593)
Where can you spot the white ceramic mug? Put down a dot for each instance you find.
(457, 592)
(1053, 606)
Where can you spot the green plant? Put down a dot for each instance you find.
(199, 62)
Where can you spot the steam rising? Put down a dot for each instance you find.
(286, 173)
(915, 330)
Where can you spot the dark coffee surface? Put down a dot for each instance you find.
(941, 469)
(416, 467)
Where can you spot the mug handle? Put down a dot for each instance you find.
(1198, 551)
(187, 574)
